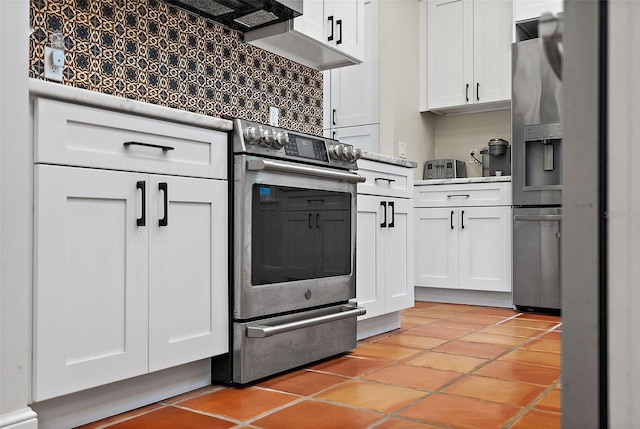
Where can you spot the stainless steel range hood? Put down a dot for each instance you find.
(243, 15)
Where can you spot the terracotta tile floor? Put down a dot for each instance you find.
(448, 366)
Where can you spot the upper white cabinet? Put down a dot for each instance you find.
(351, 94)
(130, 254)
(468, 55)
(328, 34)
(524, 10)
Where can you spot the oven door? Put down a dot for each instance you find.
(294, 228)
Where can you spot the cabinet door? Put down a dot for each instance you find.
(493, 35)
(91, 268)
(485, 248)
(398, 249)
(365, 137)
(369, 284)
(436, 247)
(354, 89)
(349, 26)
(450, 53)
(187, 270)
(313, 21)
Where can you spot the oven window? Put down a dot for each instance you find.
(299, 234)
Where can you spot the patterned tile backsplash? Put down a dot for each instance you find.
(151, 51)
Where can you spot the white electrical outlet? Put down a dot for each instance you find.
(402, 150)
(472, 153)
(53, 63)
(274, 113)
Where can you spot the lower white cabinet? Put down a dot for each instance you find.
(118, 292)
(384, 248)
(384, 265)
(463, 248)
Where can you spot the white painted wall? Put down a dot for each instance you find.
(400, 119)
(15, 218)
(456, 135)
(624, 214)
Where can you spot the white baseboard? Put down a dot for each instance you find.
(470, 297)
(21, 419)
(105, 401)
(378, 325)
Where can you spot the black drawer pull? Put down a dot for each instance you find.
(390, 181)
(330, 38)
(451, 219)
(384, 206)
(339, 22)
(157, 146)
(462, 218)
(393, 214)
(142, 220)
(165, 189)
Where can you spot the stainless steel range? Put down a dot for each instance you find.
(293, 223)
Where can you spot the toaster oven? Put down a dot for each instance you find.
(444, 169)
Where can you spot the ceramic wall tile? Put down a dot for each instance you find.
(151, 51)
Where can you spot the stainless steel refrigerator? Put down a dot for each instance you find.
(536, 115)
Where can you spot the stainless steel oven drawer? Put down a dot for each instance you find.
(266, 347)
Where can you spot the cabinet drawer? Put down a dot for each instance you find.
(385, 179)
(69, 134)
(468, 194)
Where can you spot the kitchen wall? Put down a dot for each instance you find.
(401, 120)
(150, 51)
(456, 135)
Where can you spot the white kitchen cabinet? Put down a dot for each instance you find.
(90, 300)
(329, 34)
(468, 54)
(384, 253)
(130, 267)
(524, 10)
(463, 236)
(464, 248)
(188, 303)
(351, 94)
(365, 137)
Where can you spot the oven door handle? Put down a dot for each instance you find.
(263, 331)
(263, 164)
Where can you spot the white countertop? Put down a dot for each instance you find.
(388, 159)
(42, 88)
(463, 180)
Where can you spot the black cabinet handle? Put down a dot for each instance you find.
(339, 23)
(333, 116)
(309, 222)
(451, 219)
(478, 91)
(384, 206)
(142, 220)
(157, 146)
(334, 135)
(466, 93)
(462, 219)
(165, 189)
(330, 19)
(393, 214)
(390, 181)
(317, 220)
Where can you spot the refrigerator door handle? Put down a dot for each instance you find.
(537, 218)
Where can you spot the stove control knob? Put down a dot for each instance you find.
(268, 137)
(253, 135)
(336, 151)
(349, 154)
(358, 152)
(281, 139)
